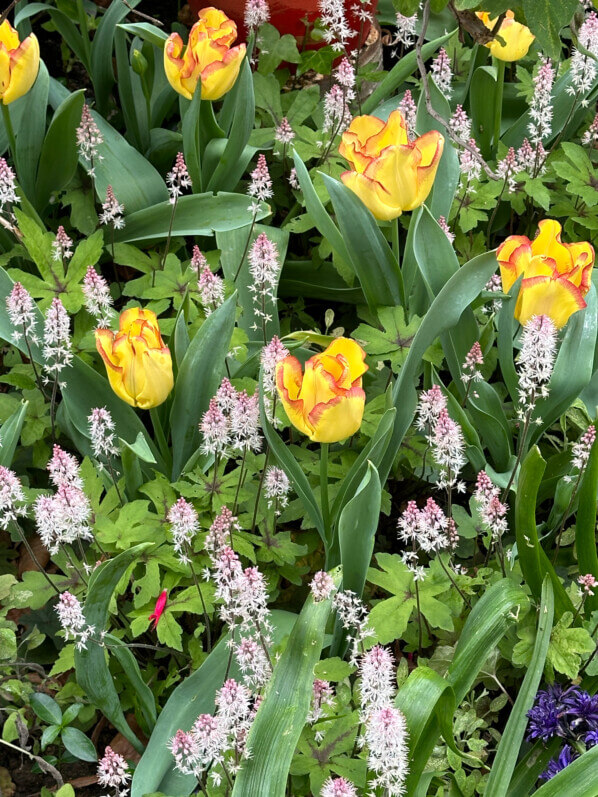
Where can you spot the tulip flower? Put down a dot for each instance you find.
(326, 403)
(138, 364)
(208, 58)
(517, 37)
(389, 173)
(19, 63)
(159, 607)
(556, 276)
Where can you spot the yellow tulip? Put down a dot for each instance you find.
(389, 173)
(19, 63)
(517, 37)
(326, 403)
(138, 364)
(556, 276)
(208, 58)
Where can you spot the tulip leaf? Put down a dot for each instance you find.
(59, 156)
(448, 173)
(357, 528)
(487, 412)
(573, 366)
(291, 467)
(533, 560)
(65, 27)
(482, 97)
(580, 778)
(369, 253)
(102, 70)
(155, 772)
(444, 313)
(10, 433)
(317, 211)
(283, 711)
(198, 378)
(198, 214)
(399, 74)
(508, 748)
(230, 168)
(190, 126)
(371, 454)
(91, 665)
(30, 137)
(234, 246)
(485, 626)
(128, 662)
(437, 263)
(585, 524)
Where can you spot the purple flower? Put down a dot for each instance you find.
(566, 756)
(547, 718)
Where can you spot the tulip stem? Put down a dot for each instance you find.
(160, 436)
(12, 141)
(500, 84)
(324, 491)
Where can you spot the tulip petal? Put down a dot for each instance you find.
(289, 379)
(583, 256)
(24, 66)
(373, 195)
(158, 378)
(220, 76)
(9, 37)
(548, 242)
(353, 354)
(339, 418)
(557, 298)
(114, 371)
(514, 256)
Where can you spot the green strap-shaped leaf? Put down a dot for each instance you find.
(357, 528)
(59, 156)
(197, 381)
(373, 452)
(293, 470)
(233, 245)
(192, 697)
(487, 412)
(445, 311)
(30, 136)
(504, 340)
(400, 72)
(369, 253)
(579, 779)
(284, 709)
(128, 662)
(437, 262)
(534, 562)
(573, 367)
(190, 113)
(481, 97)
(10, 433)
(484, 628)
(196, 214)
(508, 749)
(230, 169)
(318, 212)
(91, 665)
(102, 71)
(585, 524)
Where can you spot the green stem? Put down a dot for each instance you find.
(394, 228)
(324, 492)
(159, 433)
(500, 84)
(12, 141)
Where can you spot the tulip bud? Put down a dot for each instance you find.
(327, 402)
(159, 607)
(138, 364)
(139, 63)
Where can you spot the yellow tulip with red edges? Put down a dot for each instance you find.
(208, 57)
(389, 173)
(326, 402)
(517, 37)
(556, 275)
(138, 364)
(19, 63)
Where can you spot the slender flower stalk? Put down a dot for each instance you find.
(260, 190)
(22, 314)
(98, 300)
(177, 180)
(57, 351)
